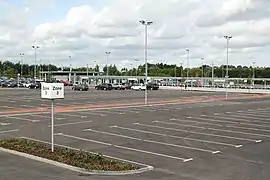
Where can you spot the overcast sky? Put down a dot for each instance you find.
(86, 29)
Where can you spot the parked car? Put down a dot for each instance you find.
(125, 86)
(104, 86)
(80, 87)
(138, 87)
(36, 85)
(116, 86)
(27, 84)
(152, 86)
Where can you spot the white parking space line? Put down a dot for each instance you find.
(4, 124)
(263, 111)
(239, 132)
(265, 115)
(177, 137)
(237, 123)
(25, 105)
(154, 142)
(198, 122)
(72, 115)
(126, 148)
(177, 124)
(109, 112)
(246, 117)
(48, 117)
(237, 119)
(214, 129)
(259, 113)
(130, 111)
(200, 133)
(8, 131)
(254, 115)
(74, 123)
(90, 113)
(10, 107)
(247, 128)
(22, 119)
(144, 109)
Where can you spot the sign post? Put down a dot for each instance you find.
(52, 91)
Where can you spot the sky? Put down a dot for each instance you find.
(86, 29)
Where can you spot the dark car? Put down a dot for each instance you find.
(104, 86)
(80, 87)
(152, 86)
(9, 84)
(35, 85)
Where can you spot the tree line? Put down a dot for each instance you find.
(11, 69)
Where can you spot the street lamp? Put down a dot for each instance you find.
(95, 66)
(227, 68)
(136, 60)
(187, 50)
(145, 24)
(107, 54)
(253, 75)
(131, 69)
(213, 63)
(21, 54)
(35, 71)
(202, 69)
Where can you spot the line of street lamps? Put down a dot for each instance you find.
(146, 24)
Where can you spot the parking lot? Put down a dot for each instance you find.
(183, 135)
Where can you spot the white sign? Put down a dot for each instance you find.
(52, 90)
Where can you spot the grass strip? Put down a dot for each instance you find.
(81, 159)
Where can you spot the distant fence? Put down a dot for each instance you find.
(262, 91)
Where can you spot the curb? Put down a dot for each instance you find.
(77, 169)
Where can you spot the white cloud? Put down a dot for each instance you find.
(86, 32)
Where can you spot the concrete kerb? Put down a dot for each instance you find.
(77, 169)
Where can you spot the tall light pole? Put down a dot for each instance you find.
(188, 57)
(87, 74)
(131, 69)
(136, 60)
(35, 47)
(107, 73)
(202, 69)
(253, 75)
(40, 69)
(176, 80)
(227, 68)
(213, 74)
(181, 65)
(94, 67)
(145, 24)
(21, 54)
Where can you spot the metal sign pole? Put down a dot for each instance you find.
(52, 126)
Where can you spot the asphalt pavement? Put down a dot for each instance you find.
(183, 135)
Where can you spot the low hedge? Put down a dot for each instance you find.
(81, 159)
